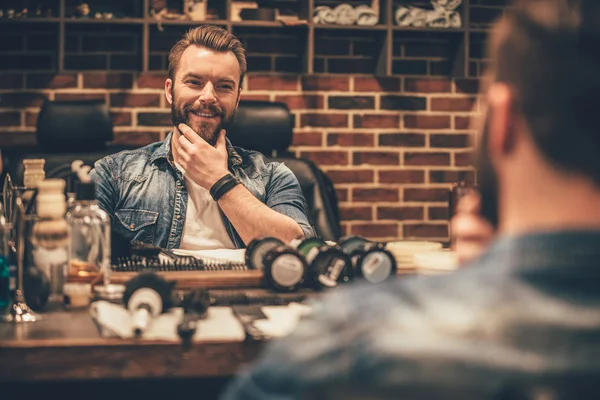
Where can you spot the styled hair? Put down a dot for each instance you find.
(548, 53)
(211, 37)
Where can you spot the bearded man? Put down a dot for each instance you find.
(194, 190)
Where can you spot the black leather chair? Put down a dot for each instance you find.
(67, 131)
(267, 127)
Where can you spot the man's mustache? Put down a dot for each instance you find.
(213, 109)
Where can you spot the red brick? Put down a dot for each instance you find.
(450, 140)
(345, 229)
(375, 194)
(400, 213)
(350, 139)
(79, 96)
(425, 230)
(462, 122)
(121, 118)
(470, 86)
(324, 120)
(151, 81)
(325, 83)
(348, 213)
(376, 121)
(135, 138)
(22, 99)
(341, 194)
(154, 119)
(402, 139)
(464, 159)
(51, 81)
(351, 102)
(454, 104)
(401, 176)
(451, 176)
(302, 101)
(107, 80)
(326, 157)
(17, 138)
(351, 176)
(255, 97)
(376, 158)
(307, 139)
(429, 194)
(427, 85)
(11, 80)
(31, 118)
(427, 121)
(272, 82)
(373, 231)
(135, 100)
(376, 84)
(426, 158)
(437, 213)
(10, 118)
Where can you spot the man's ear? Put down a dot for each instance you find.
(502, 135)
(239, 96)
(169, 90)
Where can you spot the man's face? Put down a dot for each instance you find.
(204, 93)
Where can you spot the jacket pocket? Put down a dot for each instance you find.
(137, 224)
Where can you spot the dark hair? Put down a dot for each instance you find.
(548, 52)
(212, 37)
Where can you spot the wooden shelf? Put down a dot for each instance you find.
(309, 40)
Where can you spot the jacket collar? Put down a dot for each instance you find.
(164, 152)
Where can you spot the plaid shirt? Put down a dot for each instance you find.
(528, 308)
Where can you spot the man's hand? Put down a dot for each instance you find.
(471, 233)
(203, 163)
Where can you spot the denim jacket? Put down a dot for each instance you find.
(527, 310)
(146, 198)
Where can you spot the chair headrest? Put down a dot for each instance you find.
(262, 126)
(74, 125)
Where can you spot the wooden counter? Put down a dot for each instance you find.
(67, 346)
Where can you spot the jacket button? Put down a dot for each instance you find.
(132, 226)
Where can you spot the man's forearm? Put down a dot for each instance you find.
(252, 218)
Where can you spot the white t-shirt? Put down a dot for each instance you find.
(204, 228)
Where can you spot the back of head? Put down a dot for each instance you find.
(548, 52)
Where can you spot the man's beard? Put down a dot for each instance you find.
(487, 177)
(180, 114)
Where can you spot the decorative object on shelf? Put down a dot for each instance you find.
(23, 13)
(196, 9)
(10, 13)
(238, 6)
(159, 11)
(82, 11)
(105, 15)
(346, 15)
(443, 15)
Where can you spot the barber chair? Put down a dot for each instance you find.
(267, 127)
(67, 131)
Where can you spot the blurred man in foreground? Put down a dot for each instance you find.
(528, 307)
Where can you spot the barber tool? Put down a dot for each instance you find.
(256, 250)
(284, 269)
(373, 263)
(146, 296)
(195, 306)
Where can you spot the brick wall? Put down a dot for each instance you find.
(392, 145)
